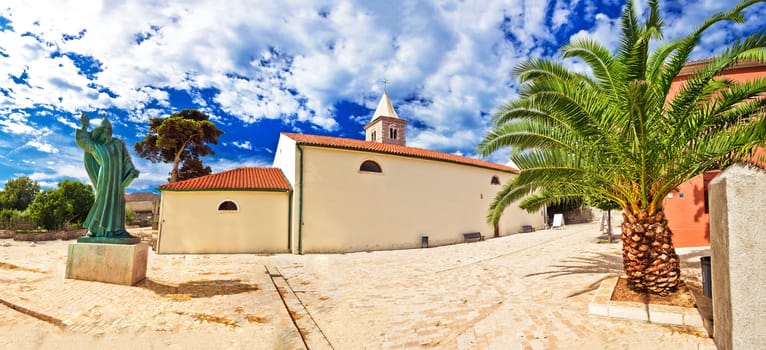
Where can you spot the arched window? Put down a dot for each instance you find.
(495, 180)
(370, 166)
(228, 206)
(374, 135)
(392, 133)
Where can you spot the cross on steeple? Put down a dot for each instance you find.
(385, 85)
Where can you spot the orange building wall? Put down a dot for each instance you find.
(686, 211)
(686, 215)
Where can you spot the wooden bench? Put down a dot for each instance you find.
(527, 228)
(473, 236)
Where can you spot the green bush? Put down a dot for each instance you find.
(130, 216)
(69, 203)
(11, 219)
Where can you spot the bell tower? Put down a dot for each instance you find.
(385, 125)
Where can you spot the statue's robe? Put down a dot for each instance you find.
(110, 170)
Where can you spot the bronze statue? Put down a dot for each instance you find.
(110, 169)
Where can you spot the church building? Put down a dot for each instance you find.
(331, 195)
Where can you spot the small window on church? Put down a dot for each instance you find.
(392, 133)
(370, 166)
(374, 134)
(495, 180)
(227, 206)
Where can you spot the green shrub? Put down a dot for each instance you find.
(69, 203)
(130, 216)
(12, 219)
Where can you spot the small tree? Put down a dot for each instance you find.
(606, 205)
(69, 203)
(130, 216)
(78, 198)
(182, 137)
(19, 193)
(48, 209)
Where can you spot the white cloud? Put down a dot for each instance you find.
(448, 62)
(42, 146)
(279, 60)
(219, 165)
(459, 140)
(67, 122)
(243, 145)
(560, 16)
(603, 32)
(50, 175)
(17, 128)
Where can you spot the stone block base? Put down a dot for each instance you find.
(111, 263)
(602, 305)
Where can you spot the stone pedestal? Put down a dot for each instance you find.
(738, 245)
(111, 263)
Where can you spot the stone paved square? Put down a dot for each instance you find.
(524, 291)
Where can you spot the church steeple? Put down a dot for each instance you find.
(385, 125)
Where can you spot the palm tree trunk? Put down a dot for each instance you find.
(648, 256)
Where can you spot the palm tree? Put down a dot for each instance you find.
(617, 133)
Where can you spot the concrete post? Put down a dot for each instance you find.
(738, 244)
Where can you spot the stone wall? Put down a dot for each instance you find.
(576, 216)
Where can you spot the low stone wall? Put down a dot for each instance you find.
(48, 236)
(5, 234)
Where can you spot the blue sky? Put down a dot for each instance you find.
(263, 67)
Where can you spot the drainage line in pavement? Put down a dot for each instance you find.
(42, 317)
(307, 312)
(303, 338)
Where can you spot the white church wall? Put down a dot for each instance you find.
(513, 215)
(285, 159)
(190, 222)
(344, 209)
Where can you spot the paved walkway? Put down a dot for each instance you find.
(525, 291)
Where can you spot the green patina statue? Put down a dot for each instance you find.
(110, 169)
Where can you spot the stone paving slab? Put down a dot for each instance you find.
(525, 291)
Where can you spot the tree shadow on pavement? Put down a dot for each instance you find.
(199, 289)
(600, 263)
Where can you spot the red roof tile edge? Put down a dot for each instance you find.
(377, 147)
(239, 179)
(693, 65)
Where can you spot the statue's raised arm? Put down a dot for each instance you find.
(84, 121)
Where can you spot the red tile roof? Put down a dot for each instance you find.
(359, 145)
(692, 66)
(269, 179)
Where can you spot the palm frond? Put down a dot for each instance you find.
(598, 58)
(688, 43)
